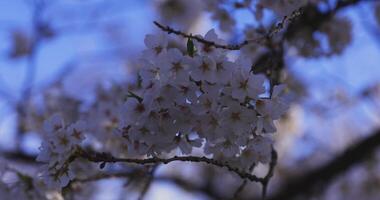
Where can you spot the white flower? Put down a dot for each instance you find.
(133, 110)
(186, 145)
(206, 103)
(245, 84)
(274, 107)
(213, 90)
(183, 118)
(161, 96)
(262, 148)
(176, 65)
(237, 117)
(152, 73)
(227, 147)
(76, 132)
(186, 92)
(57, 178)
(224, 69)
(265, 125)
(62, 141)
(210, 50)
(203, 69)
(211, 127)
(156, 45)
(45, 154)
(140, 132)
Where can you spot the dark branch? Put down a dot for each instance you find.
(19, 156)
(148, 183)
(261, 40)
(106, 158)
(270, 173)
(323, 175)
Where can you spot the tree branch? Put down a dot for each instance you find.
(106, 158)
(323, 175)
(270, 173)
(260, 40)
(148, 183)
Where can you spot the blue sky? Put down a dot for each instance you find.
(354, 70)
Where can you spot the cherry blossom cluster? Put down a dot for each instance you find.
(14, 184)
(197, 98)
(59, 144)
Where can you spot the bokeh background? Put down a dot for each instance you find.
(59, 51)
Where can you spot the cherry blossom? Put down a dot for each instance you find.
(206, 101)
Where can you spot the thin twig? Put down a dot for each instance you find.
(148, 183)
(270, 173)
(260, 40)
(101, 157)
(242, 185)
(321, 176)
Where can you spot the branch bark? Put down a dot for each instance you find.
(321, 176)
(106, 158)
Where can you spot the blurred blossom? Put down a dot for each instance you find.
(21, 44)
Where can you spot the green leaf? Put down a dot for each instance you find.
(190, 47)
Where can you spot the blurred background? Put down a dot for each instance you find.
(56, 54)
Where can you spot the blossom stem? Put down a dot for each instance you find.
(101, 157)
(260, 40)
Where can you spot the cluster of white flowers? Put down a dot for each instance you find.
(104, 117)
(185, 100)
(189, 100)
(59, 144)
(17, 185)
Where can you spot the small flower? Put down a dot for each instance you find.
(186, 145)
(206, 103)
(176, 65)
(227, 147)
(261, 148)
(156, 45)
(204, 68)
(224, 69)
(237, 117)
(209, 50)
(133, 110)
(276, 106)
(186, 92)
(245, 84)
(76, 132)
